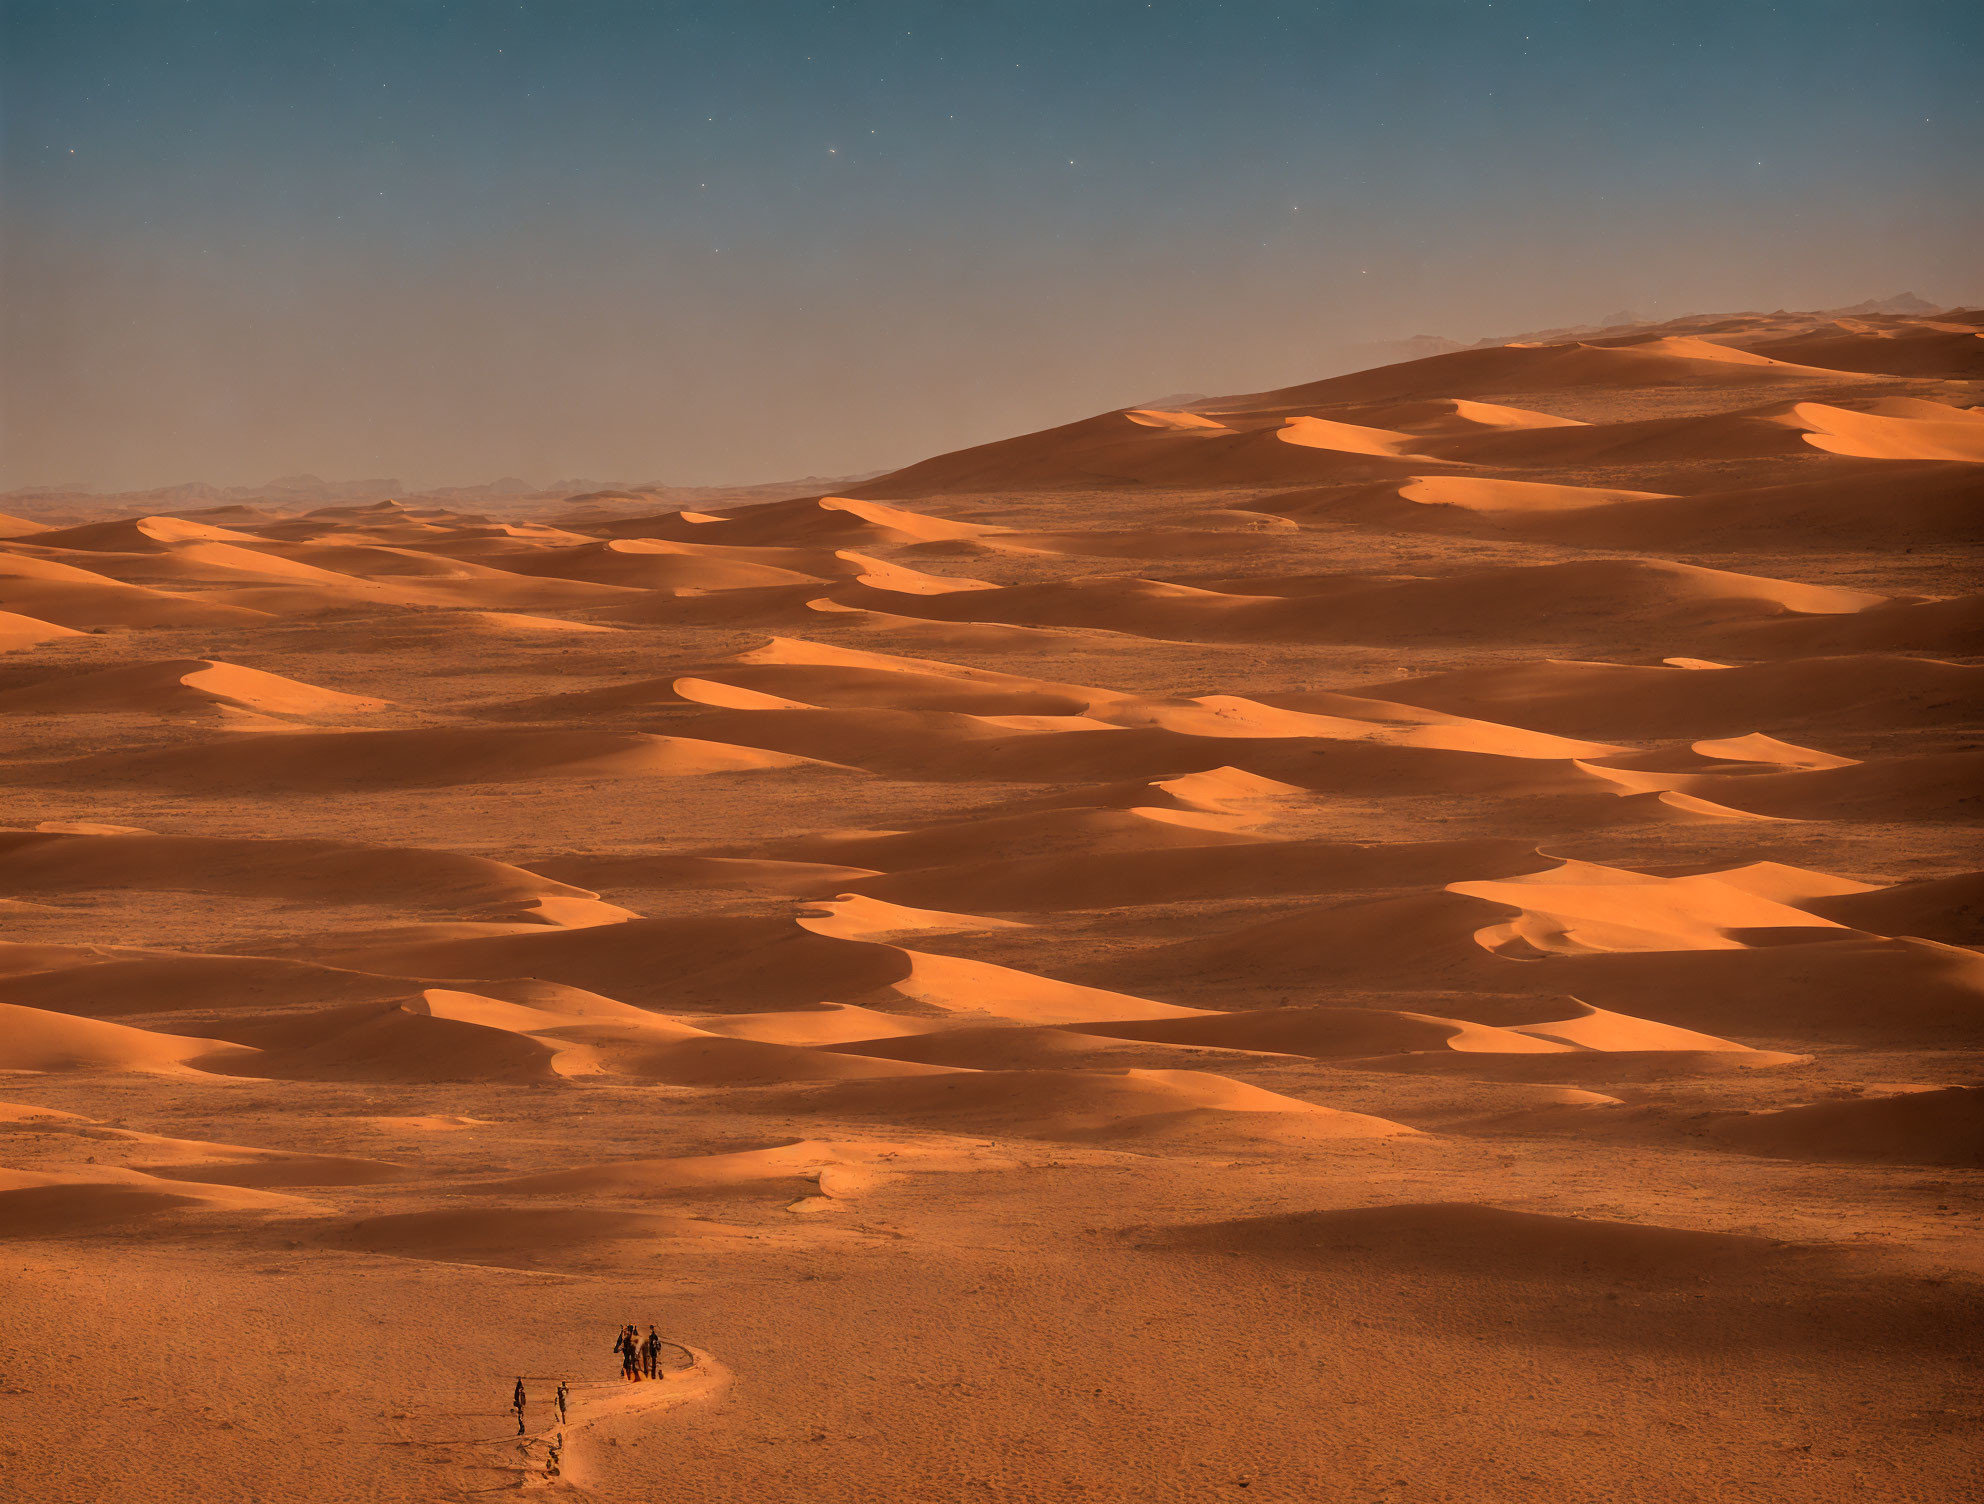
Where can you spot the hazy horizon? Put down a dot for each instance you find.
(446, 245)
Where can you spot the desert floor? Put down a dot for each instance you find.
(1425, 952)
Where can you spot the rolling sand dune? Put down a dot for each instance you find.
(17, 631)
(1495, 1241)
(416, 759)
(825, 521)
(1926, 1127)
(1949, 909)
(1187, 873)
(1659, 362)
(34, 1040)
(1873, 691)
(1941, 786)
(1101, 1105)
(1947, 353)
(1312, 926)
(88, 602)
(1606, 599)
(1670, 961)
(326, 871)
(137, 534)
(183, 686)
(1941, 628)
(72, 1203)
(517, 1237)
(650, 564)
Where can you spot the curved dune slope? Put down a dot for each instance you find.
(181, 686)
(17, 631)
(34, 1040)
(138, 534)
(323, 871)
(1596, 599)
(1949, 909)
(1468, 1237)
(96, 1200)
(413, 759)
(1058, 1104)
(1506, 369)
(1927, 1127)
(1873, 691)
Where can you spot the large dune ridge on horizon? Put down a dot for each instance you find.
(1409, 937)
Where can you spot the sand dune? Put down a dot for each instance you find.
(1916, 503)
(1325, 1033)
(326, 871)
(1947, 353)
(1095, 1105)
(1676, 966)
(386, 1042)
(34, 1040)
(830, 521)
(669, 870)
(1925, 501)
(93, 1200)
(1604, 598)
(87, 602)
(138, 534)
(1949, 909)
(1450, 502)
(835, 1167)
(713, 965)
(1944, 628)
(1264, 869)
(181, 686)
(1495, 1241)
(516, 1237)
(17, 631)
(415, 759)
(1872, 691)
(651, 564)
(1672, 361)
(1927, 1127)
(821, 1024)
(1940, 786)
(1279, 437)
(1061, 832)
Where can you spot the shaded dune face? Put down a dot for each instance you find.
(1464, 869)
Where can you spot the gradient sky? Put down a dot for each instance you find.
(744, 240)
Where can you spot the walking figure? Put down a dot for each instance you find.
(558, 1402)
(650, 1354)
(517, 1404)
(629, 1349)
(552, 1453)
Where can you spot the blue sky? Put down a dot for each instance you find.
(453, 239)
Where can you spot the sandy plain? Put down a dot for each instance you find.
(1408, 939)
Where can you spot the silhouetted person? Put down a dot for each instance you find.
(558, 1402)
(629, 1349)
(517, 1404)
(650, 1353)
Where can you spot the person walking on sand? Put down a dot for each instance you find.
(517, 1404)
(558, 1402)
(650, 1354)
(629, 1349)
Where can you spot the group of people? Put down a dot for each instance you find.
(558, 1403)
(640, 1357)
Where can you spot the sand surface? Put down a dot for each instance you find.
(1411, 939)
